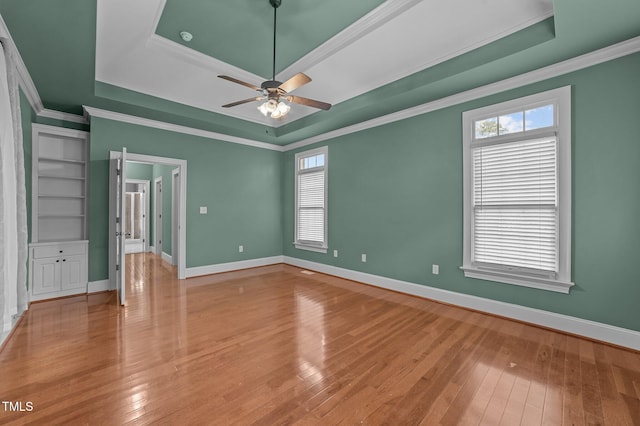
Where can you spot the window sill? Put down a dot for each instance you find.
(533, 282)
(310, 248)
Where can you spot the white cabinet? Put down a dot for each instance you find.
(58, 269)
(59, 210)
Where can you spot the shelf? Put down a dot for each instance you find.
(69, 197)
(60, 177)
(59, 184)
(60, 216)
(61, 160)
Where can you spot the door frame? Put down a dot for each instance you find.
(147, 199)
(182, 167)
(157, 215)
(175, 215)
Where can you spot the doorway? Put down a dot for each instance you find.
(177, 172)
(136, 218)
(175, 215)
(157, 215)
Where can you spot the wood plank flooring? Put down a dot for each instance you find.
(273, 345)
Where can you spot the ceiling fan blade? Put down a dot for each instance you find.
(294, 82)
(235, 80)
(244, 101)
(309, 102)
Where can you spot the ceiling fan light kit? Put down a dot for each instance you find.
(274, 92)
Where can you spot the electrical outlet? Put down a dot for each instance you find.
(203, 210)
(435, 269)
(364, 257)
(335, 253)
(240, 248)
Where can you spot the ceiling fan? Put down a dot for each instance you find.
(274, 92)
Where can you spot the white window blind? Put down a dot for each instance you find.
(311, 207)
(311, 200)
(515, 205)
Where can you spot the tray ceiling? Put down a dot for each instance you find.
(366, 46)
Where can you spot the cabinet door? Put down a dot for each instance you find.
(46, 275)
(72, 272)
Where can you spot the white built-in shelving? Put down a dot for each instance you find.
(59, 211)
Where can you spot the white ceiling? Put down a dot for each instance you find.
(395, 40)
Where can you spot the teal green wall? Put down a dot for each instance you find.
(239, 184)
(395, 193)
(164, 171)
(141, 171)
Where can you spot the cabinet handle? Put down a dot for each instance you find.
(64, 260)
(60, 251)
(57, 260)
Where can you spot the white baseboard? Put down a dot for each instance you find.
(167, 258)
(57, 294)
(591, 329)
(152, 249)
(233, 266)
(98, 286)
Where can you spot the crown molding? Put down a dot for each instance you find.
(131, 119)
(606, 54)
(64, 116)
(27, 84)
(369, 22)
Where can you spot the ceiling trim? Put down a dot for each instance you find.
(132, 119)
(206, 62)
(609, 53)
(372, 20)
(27, 84)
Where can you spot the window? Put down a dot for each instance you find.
(517, 191)
(311, 200)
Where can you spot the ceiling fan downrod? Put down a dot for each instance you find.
(275, 4)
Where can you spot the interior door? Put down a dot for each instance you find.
(120, 226)
(117, 203)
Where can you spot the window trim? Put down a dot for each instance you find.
(310, 245)
(561, 99)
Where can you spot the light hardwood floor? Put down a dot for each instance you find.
(273, 345)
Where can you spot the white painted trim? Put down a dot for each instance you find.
(609, 53)
(182, 164)
(233, 266)
(369, 22)
(98, 286)
(590, 329)
(59, 131)
(131, 119)
(167, 258)
(58, 294)
(152, 249)
(158, 209)
(64, 116)
(310, 248)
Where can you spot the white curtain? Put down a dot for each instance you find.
(13, 206)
